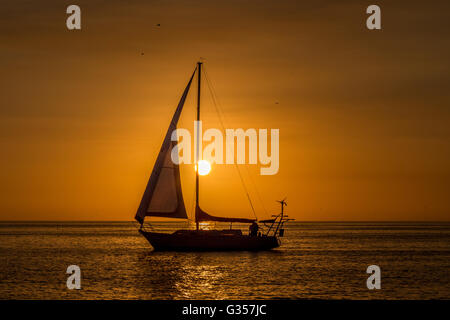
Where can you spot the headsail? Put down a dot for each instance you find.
(163, 196)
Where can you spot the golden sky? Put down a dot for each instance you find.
(363, 115)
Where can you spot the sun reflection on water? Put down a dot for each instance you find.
(207, 225)
(200, 280)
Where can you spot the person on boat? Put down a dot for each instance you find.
(253, 229)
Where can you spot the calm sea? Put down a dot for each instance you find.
(316, 260)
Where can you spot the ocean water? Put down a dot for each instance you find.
(316, 260)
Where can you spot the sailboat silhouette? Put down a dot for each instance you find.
(163, 198)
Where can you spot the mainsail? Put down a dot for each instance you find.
(203, 216)
(163, 196)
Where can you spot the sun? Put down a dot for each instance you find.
(204, 167)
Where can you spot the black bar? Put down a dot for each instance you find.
(228, 309)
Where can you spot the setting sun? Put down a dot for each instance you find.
(204, 167)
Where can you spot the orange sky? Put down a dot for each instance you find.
(363, 115)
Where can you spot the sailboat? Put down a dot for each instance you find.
(163, 198)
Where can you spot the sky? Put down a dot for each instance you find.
(363, 114)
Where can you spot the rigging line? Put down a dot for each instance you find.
(214, 98)
(217, 106)
(256, 189)
(220, 114)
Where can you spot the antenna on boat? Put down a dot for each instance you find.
(283, 204)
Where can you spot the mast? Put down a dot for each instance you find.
(199, 64)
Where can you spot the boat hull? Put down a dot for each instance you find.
(189, 240)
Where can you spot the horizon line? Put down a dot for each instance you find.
(133, 221)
